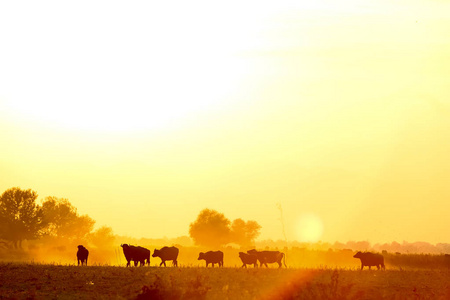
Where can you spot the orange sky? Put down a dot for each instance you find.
(143, 115)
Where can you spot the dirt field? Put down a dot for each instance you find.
(40, 281)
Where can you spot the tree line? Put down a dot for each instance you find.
(23, 218)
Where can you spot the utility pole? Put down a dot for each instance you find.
(283, 227)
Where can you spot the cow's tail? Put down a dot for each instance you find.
(284, 260)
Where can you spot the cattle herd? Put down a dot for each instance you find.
(140, 255)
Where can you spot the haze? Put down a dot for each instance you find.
(144, 114)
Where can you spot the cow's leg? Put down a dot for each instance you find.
(78, 262)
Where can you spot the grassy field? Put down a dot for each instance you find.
(44, 281)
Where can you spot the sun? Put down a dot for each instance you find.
(309, 228)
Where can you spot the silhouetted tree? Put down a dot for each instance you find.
(244, 233)
(211, 229)
(62, 220)
(20, 216)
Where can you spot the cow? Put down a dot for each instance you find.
(248, 259)
(137, 254)
(370, 259)
(268, 257)
(143, 256)
(167, 253)
(82, 255)
(212, 257)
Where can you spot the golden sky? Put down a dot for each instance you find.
(144, 114)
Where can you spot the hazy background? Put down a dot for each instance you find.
(144, 114)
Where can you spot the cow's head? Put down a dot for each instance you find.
(80, 247)
(358, 255)
(201, 255)
(155, 253)
(253, 251)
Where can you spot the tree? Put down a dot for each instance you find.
(211, 229)
(20, 216)
(244, 233)
(61, 219)
(102, 237)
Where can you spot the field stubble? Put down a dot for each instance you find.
(43, 281)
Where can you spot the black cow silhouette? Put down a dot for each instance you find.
(212, 257)
(82, 255)
(137, 254)
(370, 259)
(248, 259)
(167, 253)
(268, 257)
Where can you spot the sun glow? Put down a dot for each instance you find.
(144, 97)
(142, 72)
(135, 70)
(309, 228)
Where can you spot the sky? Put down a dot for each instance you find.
(143, 114)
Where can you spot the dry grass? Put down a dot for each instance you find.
(43, 281)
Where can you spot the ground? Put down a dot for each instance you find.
(40, 281)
